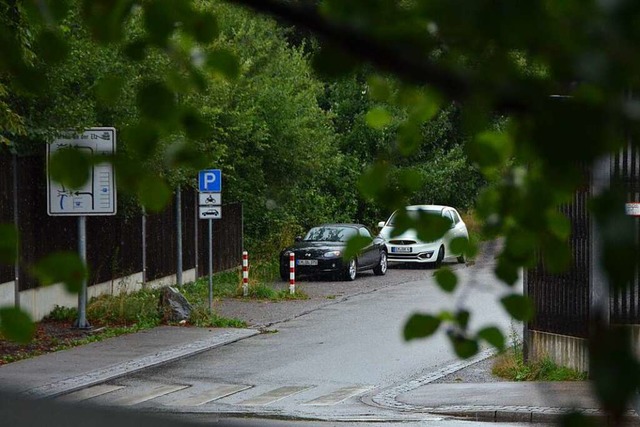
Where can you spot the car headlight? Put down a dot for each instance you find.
(332, 254)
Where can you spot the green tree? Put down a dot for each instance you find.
(498, 62)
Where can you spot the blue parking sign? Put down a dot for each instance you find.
(210, 180)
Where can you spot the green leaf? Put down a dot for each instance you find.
(518, 306)
(463, 346)
(331, 62)
(156, 101)
(378, 118)
(16, 325)
(431, 226)
(420, 326)
(379, 88)
(136, 50)
(223, 63)
(559, 224)
(61, 267)
(204, 27)
(490, 149)
(410, 179)
(159, 20)
(154, 194)
(51, 46)
(493, 336)
(194, 125)
(460, 245)
(446, 279)
(109, 88)
(8, 244)
(142, 138)
(105, 18)
(355, 245)
(70, 167)
(409, 138)
(462, 318)
(557, 256)
(507, 271)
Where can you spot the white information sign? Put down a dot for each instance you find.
(98, 195)
(210, 212)
(632, 209)
(209, 199)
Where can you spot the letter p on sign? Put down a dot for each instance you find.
(210, 180)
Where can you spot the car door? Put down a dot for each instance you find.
(458, 228)
(451, 233)
(369, 255)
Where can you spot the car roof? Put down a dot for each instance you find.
(339, 225)
(427, 207)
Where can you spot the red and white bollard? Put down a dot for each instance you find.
(245, 273)
(292, 273)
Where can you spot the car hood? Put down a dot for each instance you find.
(407, 235)
(316, 247)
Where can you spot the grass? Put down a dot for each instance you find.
(228, 284)
(511, 366)
(128, 312)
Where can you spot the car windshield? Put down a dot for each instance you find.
(330, 234)
(413, 214)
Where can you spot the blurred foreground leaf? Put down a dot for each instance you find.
(70, 167)
(16, 325)
(446, 279)
(420, 326)
(519, 307)
(61, 267)
(493, 336)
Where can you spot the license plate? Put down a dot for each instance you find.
(400, 249)
(307, 262)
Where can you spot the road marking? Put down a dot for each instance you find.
(217, 391)
(151, 393)
(274, 395)
(337, 396)
(89, 393)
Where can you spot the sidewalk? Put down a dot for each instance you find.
(57, 373)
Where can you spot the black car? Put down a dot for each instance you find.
(321, 251)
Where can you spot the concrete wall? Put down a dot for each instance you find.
(569, 351)
(564, 350)
(41, 301)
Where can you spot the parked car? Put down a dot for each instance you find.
(407, 247)
(321, 251)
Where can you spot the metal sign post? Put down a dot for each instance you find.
(210, 265)
(96, 197)
(209, 207)
(81, 322)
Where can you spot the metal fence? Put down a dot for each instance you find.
(114, 243)
(562, 300)
(625, 303)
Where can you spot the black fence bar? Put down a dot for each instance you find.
(562, 300)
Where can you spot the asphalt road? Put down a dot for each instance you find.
(325, 364)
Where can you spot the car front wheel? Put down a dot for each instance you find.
(381, 268)
(440, 258)
(350, 271)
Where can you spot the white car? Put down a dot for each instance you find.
(408, 248)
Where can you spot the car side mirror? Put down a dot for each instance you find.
(298, 239)
(381, 224)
